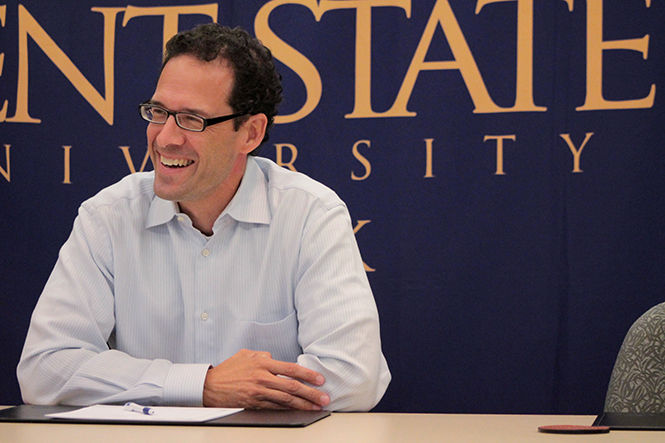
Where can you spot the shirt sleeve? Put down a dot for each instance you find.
(66, 358)
(337, 315)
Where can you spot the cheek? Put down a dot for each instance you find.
(151, 132)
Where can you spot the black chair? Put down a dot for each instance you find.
(637, 384)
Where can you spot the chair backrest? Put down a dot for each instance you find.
(637, 384)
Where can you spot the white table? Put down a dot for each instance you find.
(339, 427)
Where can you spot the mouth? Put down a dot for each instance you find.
(175, 162)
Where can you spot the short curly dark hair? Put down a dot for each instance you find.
(257, 88)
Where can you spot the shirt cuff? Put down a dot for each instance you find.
(184, 384)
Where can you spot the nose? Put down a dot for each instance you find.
(170, 133)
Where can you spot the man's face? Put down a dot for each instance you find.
(192, 167)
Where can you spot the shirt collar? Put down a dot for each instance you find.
(160, 212)
(249, 204)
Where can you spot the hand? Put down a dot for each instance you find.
(252, 379)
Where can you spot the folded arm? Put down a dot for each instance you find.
(66, 358)
(337, 315)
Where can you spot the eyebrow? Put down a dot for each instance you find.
(188, 110)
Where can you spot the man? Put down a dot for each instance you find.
(219, 278)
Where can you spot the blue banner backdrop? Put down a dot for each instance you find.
(502, 161)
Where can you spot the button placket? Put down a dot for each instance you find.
(208, 262)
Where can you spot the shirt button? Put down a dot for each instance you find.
(181, 218)
(205, 252)
(204, 316)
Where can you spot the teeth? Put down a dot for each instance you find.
(177, 162)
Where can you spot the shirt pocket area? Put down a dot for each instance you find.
(280, 338)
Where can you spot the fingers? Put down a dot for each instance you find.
(295, 394)
(276, 399)
(291, 384)
(252, 379)
(295, 371)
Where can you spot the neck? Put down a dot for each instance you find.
(204, 213)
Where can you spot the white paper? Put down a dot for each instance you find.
(162, 413)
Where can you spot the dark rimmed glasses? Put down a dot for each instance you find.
(186, 120)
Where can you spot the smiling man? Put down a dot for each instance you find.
(219, 278)
(199, 170)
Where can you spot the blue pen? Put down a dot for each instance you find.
(133, 407)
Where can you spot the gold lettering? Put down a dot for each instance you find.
(290, 57)
(524, 79)
(577, 153)
(7, 173)
(357, 228)
(363, 77)
(304, 68)
(130, 162)
(171, 15)
(67, 177)
(28, 26)
(428, 158)
(594, 76)
(442, 15)
(294, 155)
(362, 159)
(3, 111)
(499, 150)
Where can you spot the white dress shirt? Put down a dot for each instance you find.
(140, 303)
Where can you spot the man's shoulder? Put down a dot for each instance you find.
(136, 188)
(296, 184)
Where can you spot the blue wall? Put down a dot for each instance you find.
(507, 256)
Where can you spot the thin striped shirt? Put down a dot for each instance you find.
(140, 303)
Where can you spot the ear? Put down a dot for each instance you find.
(254, 130)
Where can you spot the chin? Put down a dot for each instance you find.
(165, 193)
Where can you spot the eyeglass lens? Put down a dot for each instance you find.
(156, 114)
